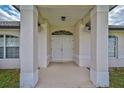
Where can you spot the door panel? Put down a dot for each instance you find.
(62, 48)
(67, 48)
(56, 48)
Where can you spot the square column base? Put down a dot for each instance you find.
(99, 79)
(43, 65)
(28, 80)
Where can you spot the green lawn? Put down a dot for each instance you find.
(117, 77)
(9, 78)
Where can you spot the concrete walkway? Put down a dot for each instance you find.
(64, 75)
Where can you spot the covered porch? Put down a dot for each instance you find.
(38, 24)
(64, 75)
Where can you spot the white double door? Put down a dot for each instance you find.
(62, 48)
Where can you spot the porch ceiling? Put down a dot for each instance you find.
(73, 13)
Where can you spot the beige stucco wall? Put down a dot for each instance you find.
(82, 47)
(9, 63)
(82, 44)
(76, 42)
(42, 46)
(85, 49)
(48, 44)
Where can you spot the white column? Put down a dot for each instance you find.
(99, 74)
(28, 46)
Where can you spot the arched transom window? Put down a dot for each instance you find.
(62, 32)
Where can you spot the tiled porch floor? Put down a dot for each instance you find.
(64, 75)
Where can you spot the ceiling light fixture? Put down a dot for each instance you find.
(63, 18)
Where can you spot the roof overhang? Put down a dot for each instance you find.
(110, 7)
(16, 25)
(116, 27)
(9, 24)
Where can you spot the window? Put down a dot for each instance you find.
(1, 46)
(9, 46)
(12, 47)
(112, 46)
